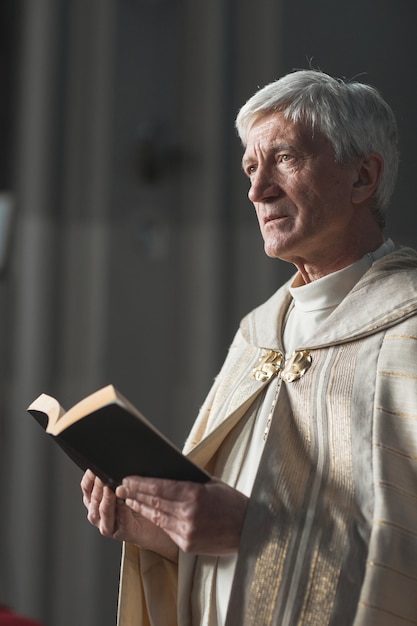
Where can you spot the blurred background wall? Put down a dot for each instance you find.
(128, 248)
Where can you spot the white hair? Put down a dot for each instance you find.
(353, 116)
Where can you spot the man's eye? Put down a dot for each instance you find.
(284, 157)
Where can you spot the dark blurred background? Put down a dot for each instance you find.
(128, 249)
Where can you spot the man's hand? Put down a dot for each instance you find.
(200, 518)
(114, 519)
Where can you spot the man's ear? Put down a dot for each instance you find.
(369, 172)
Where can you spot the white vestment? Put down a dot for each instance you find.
(329, 537)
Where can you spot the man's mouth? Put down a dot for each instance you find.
(273, 218)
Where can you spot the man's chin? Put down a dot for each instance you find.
(274, 250)
(279, 251)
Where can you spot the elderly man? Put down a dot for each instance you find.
(310, 429)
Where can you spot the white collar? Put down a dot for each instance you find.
(329, 291)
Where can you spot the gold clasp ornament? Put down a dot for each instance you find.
(273, 362)
(296, 366)
(268, 365)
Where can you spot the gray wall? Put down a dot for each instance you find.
(134, 250)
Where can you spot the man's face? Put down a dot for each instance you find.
(301, 196)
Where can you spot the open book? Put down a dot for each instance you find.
(106, 433)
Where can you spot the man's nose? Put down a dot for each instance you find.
(263, 186)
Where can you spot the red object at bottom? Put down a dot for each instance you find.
(8, 618)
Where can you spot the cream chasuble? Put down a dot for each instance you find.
(330, 533)
(313, 303)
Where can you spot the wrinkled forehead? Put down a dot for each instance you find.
(283, 110)
(274, 129)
